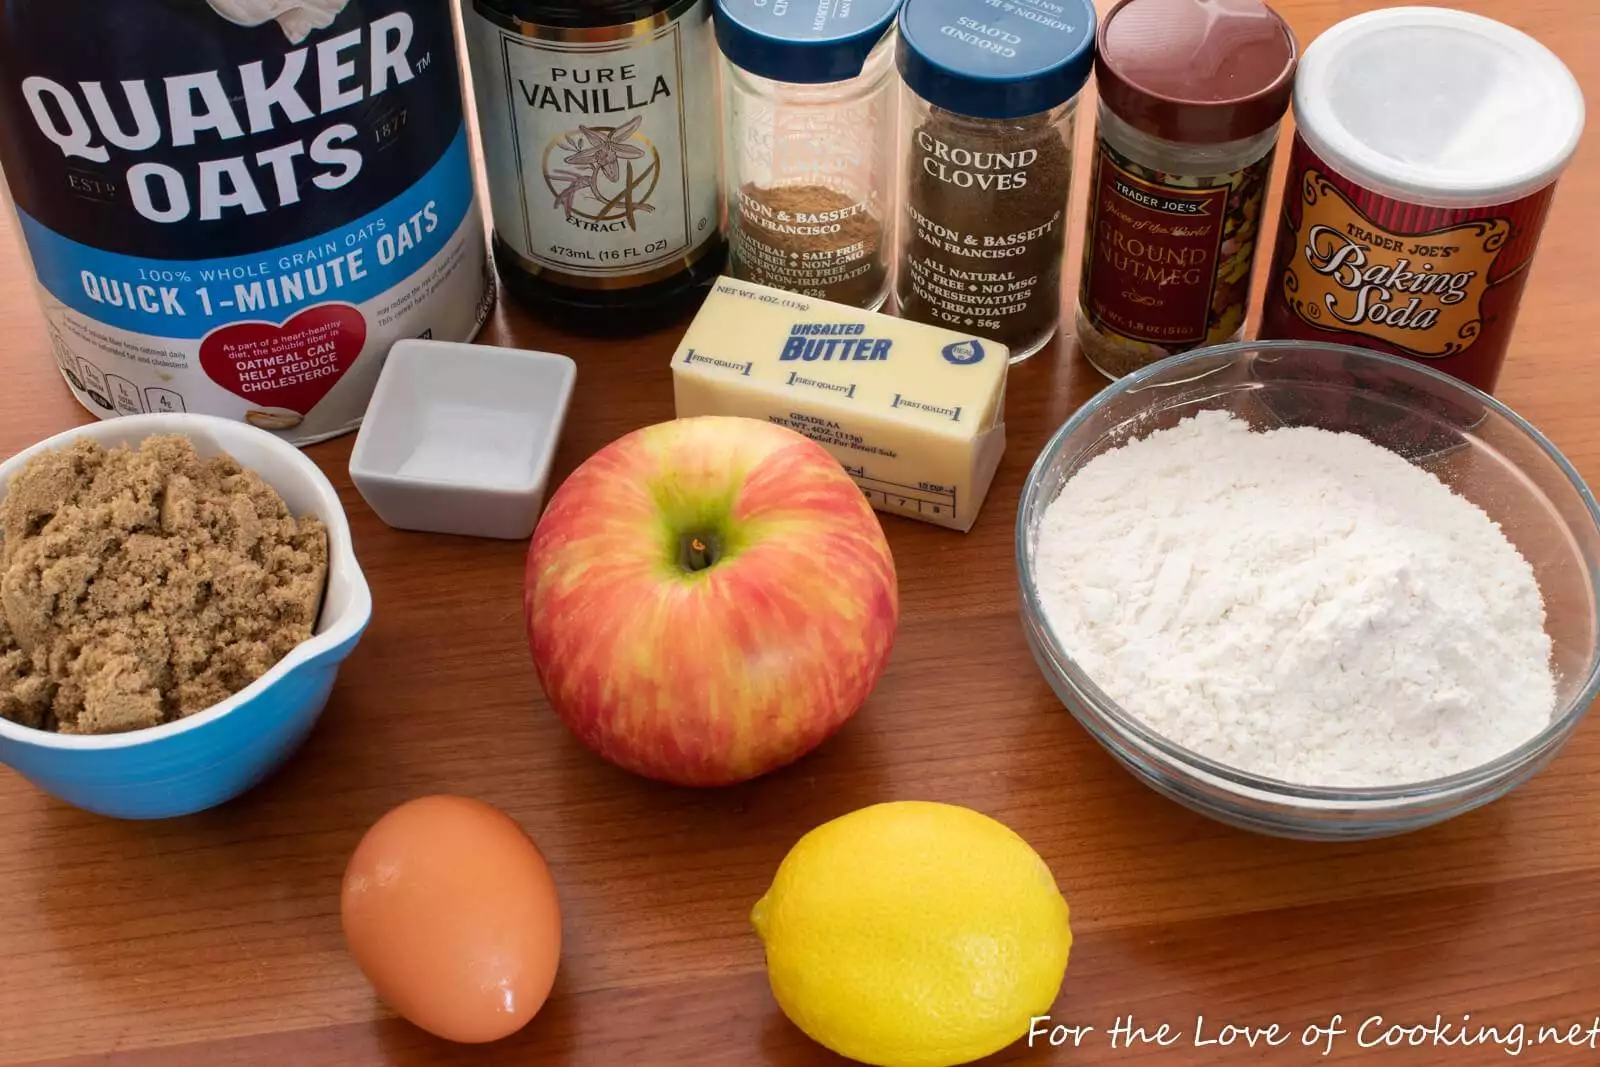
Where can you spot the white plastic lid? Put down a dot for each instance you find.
(1438, 107)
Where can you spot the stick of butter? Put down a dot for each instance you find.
(914, 413)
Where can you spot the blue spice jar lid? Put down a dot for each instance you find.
(802, 41)
(996, 60)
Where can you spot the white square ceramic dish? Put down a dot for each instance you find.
(459, 438)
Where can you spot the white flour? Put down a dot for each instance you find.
(1299, 604)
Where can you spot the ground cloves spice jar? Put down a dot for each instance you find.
(1428, 145)
(987, 120)
(809, 115)
(1192, 93)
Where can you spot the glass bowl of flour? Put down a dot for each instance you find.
(1312, 590)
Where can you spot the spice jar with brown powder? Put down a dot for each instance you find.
(809, 111)
(990, 94)
(1192, 93)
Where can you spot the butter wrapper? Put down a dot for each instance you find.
(914, 413)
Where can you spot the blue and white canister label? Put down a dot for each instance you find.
(235, 207)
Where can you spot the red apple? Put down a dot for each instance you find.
(709, 599)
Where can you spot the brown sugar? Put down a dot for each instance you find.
(140, 586)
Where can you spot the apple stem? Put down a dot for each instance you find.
(699, 552)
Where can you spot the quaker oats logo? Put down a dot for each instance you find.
(297, 18)
(604, 174)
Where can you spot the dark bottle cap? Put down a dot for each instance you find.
(1196, 71)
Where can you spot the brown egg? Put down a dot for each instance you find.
(451, 913)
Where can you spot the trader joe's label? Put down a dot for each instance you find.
(1434, 283)
(1423, 293)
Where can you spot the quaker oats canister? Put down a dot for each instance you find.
(234, 207)
(1428, 147)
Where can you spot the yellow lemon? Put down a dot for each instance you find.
(914, 934)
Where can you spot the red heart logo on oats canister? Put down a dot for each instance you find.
(291, 366)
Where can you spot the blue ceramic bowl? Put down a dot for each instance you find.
(212, 757)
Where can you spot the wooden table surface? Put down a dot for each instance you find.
(215, 939)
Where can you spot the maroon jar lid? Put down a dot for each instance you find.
(1196, 71)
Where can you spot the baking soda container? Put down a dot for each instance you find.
(1429, 143)
(809, 157)
(234, 207)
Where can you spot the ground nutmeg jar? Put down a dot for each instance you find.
(987, 123)
(809, 119)
(1427, 148)
(1192, 93)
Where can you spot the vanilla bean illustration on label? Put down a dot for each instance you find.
(601, 168)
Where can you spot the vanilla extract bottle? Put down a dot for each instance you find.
(601, 149)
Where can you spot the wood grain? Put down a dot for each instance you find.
(215, 939)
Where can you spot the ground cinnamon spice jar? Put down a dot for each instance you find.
(1427, 150)
(987, 120)
(809, 119)
(1192, 93)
